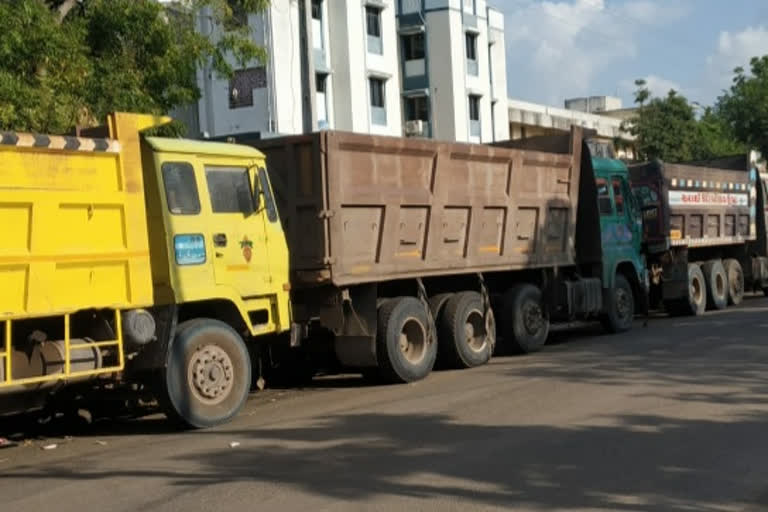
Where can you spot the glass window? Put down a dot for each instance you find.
(373, 21)
(180, 188)
(604, 197)
(230, 189)
(317, 9)
(269, 201)
(417, 108)
(474, 108)
(471, 42)
(618, 196)
(413, 47)
(377, 92)
(320, 82)
(242, 84)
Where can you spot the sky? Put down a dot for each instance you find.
(558, 49)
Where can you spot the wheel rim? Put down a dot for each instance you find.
(737, 282)
(475, 333)
(533, 317)
(623, 303)
(696, 290)
(720, 285)
(210, 374)
(413, 340)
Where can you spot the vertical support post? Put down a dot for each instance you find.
(67, 343)
(119, 329)
(8, 368)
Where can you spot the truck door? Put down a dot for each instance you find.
(238, 236)
(618, 222)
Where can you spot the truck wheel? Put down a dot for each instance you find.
(208, 374)
(405, 341)
(526, 324)
(735, 275)
(466, 338)
(697, 291)
(717, 284)
(620, 307)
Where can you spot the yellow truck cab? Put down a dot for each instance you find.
(148, 261)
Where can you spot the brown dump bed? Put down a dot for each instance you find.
(706, 204)
(360, 208)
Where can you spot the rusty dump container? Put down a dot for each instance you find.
(701, 204)
(361, 208)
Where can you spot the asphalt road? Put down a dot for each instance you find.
(670, 417)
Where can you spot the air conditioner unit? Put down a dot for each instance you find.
(414, 128)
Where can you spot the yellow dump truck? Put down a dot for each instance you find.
(101, 266)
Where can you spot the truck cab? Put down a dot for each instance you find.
(219, 263)
(620, 221)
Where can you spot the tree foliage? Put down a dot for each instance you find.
(744, 107)
(668, 128)
(70, 62)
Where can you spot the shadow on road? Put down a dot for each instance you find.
(642, 462)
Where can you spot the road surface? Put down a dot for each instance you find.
(671, 417)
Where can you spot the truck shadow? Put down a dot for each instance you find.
(632, 462)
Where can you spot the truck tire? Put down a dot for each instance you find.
(735, 275)
(406, 347)
(619, 307)
(697, 292)
(526, 324)
(208, 374)
(717, 284)
(465, 337)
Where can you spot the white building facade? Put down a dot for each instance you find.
(432, 68)
(454, 69)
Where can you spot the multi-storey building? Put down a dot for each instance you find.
(433, 68)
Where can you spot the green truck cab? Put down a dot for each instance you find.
(620, 222)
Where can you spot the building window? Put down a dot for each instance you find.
(373, 21)
(474, 116)
(377, 92)
(471, 48)
(474, 108)
(243, 83)
(321, 102)
(417, 108)
(239, 17)
(471, 41)
(413, 46)
(373, 29)
(320, 82)
(378, 107)
(317, 9)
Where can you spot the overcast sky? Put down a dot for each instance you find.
(558, 49)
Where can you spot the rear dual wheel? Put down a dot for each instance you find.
(466, 333)
(717, 284)
(406, 345)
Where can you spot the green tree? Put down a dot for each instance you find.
(715, 137)
(667, 128)
(70, 62)
(745, 105)
(663, 128)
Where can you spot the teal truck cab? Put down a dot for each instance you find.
(609, 280)
(621, 231)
